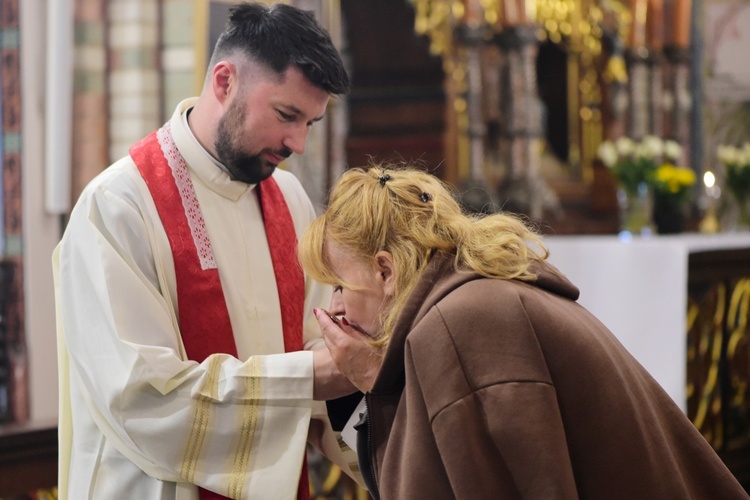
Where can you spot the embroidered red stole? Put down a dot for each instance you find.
(204, 320)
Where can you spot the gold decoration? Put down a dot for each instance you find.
(704, 354)
(577, 24)
(616, 70)
(718, 318)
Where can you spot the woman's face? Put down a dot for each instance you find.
(370, 288)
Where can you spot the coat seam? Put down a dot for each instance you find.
(472, 389)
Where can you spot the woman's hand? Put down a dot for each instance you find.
(350, 350)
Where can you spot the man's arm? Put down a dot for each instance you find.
(329, 382)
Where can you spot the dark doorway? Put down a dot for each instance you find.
(397, 103)
(552, 84)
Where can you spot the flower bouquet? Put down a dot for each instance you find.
(736, 162)
(634, 165)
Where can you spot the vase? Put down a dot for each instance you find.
(738, 216)
(669, 215)
(635, 211)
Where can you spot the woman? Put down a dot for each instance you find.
(483, 377)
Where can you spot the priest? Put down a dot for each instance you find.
(191, 365)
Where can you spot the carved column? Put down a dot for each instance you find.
(656, 94)
(523, 189)
(677, 97)
(614, 87)
(639, 113)
(470, 40)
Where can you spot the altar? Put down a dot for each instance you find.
(639, 289)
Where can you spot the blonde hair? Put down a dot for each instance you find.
(412, 214)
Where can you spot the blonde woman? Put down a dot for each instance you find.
(483, 377)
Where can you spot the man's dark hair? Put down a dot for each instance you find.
(280, 36)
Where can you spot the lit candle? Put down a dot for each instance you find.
(710, 223)
(709, 180)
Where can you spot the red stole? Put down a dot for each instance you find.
(204, 320)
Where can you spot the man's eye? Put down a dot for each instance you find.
(285, 116)
(338, 288)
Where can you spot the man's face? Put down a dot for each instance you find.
(265, 122)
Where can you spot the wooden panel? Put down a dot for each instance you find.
(397, 103)
(426, 149)
(28, 457)
(411, 111)
(577, 214)
(384, 49)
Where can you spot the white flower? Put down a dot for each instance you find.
(672, 150)
(733, 156)
(650, 147)
(625, 146)
(607, 153)
(726, 154)
(745, 154)
(743, 157)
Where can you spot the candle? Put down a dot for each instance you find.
(512, 14)
(638, 29)
(709, 181)
(681, 36)
(530, 6)
(473, 13)
(655, 24)
(521, 8)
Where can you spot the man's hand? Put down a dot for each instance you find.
(354, 356)
(328, 382)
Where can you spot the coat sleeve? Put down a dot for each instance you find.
(491, 426)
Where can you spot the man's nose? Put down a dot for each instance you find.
(295, 140)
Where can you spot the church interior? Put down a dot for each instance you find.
(619, 128)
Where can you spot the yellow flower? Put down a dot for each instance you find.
(674, 179)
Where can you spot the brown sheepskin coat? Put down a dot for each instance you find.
(500, 389)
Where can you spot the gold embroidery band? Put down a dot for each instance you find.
(208, 393)
(250, 425)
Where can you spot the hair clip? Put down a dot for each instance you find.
(384, 179)
(425, 197)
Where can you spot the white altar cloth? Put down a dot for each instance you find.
(638, 288)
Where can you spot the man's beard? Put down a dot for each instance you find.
(242, 166)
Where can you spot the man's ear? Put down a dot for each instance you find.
(223, 80)
(386, 272)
